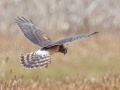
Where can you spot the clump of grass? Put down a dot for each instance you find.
(104, 82)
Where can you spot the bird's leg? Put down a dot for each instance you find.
(46, 66)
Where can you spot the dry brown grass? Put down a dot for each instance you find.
(104, 82)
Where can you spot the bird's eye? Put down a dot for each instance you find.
(63, 51)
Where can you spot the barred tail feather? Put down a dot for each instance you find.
(33, 60)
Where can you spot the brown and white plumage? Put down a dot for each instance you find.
(38, 36)
(35, 59)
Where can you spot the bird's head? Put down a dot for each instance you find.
(63, 49)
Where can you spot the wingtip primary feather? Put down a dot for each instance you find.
(94, 33)
(21, 19)
(31, 21)
(25, 19)
(17, 19)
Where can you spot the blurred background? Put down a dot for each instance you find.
(88, 57)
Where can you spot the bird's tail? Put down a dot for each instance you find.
(34, 60)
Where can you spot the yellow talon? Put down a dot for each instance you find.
(46, 66)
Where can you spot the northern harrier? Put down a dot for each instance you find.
(38, 36)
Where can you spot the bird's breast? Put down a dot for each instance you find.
(53, 50)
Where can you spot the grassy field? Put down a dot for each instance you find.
(86, 57)
(90, 64)
(104, 82)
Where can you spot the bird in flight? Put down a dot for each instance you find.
(39, 37)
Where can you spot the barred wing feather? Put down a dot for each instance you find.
(33, 33)
(70, 39)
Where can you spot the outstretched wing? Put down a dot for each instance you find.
(33, 33)
(70, 39)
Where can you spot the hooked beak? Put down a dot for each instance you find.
(65, 52)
